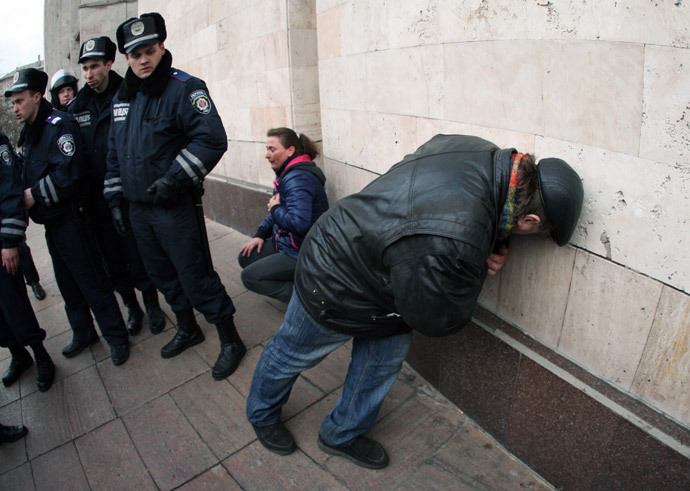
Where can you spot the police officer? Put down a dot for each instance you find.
(63, 89)
(51, 146)
(18, 325)
(166, 135)
(91, 109)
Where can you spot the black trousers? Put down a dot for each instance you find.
(269, 272)
(82, 281)
(171, 247)
(18, 324)
(121, 256)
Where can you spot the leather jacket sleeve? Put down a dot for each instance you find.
(435, 282)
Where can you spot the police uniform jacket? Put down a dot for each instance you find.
(12, 214)
(302, 201)
(171, 128)
(51, 147)
(410, 249)
(93, 116)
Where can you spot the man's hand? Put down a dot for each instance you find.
(28, 199)
(275, 200)
(256, 243)
(497, 261)
(119, 221)
(10, 260)
(165, 192)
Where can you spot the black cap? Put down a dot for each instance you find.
(147, 29)
(101, 47)
(562, 195)
(28, 78)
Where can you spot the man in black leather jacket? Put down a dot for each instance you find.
(409, 252)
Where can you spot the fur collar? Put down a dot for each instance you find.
(152, 86)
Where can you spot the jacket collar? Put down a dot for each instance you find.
(153, 85)
(86, 94)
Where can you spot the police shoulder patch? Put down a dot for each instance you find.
(180, 75)
(200, 101)
(66, 145)
(53, 119)
(5, 155)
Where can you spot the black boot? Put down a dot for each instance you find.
(188, 334)
(135, 314)
(10, 434)
(21, 361)
(44, 366)
(153, 311)
(232, 350)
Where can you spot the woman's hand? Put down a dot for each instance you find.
(497, 261)
(275, 200)
(256, 243)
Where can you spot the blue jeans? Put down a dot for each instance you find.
(302, 343)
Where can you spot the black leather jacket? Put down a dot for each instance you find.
(410, 249)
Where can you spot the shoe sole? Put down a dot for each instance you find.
(335, 451)
(194, 343)
(75, 353)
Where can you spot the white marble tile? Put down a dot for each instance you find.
(304, 85)
(608, 318)
(301, 14)
(243, 161)
(413, 23)
(666, 121)
(663, 377)
(364, 26)
(427, 128)
(496, 84)
(342, 83)
(337, 138)
(421, 69)
(534, 287)
(328, 33)
(479, 20)
(343, 180)
(324, 5)
(380, 140)
(303, 50)
(585, 97)
(635, 210)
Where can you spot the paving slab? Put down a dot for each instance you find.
(60, 469)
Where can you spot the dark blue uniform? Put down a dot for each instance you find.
(121, 256)
(174, 132)
(18, 324)
(53, 163)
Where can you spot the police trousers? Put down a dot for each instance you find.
(18, 324)
(82, 281)
(170, 243)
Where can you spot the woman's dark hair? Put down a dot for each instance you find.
(288, 138)
(530, 196)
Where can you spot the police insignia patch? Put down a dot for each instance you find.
(15, 78)
(90, 44)
(200, 101)
(66, 145)
(137, 28)
(5, 156)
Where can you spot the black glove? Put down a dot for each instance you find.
(119, 221)
(165, 192)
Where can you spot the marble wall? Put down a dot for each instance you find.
(604, 85)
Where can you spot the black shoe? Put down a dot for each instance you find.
(154, 312)
(228, 360)
(77, 345)
(9, 434)
(364, 452)
(21, 361)
(46, 373)
(119, 354)
(38, 290)
(276, 438)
